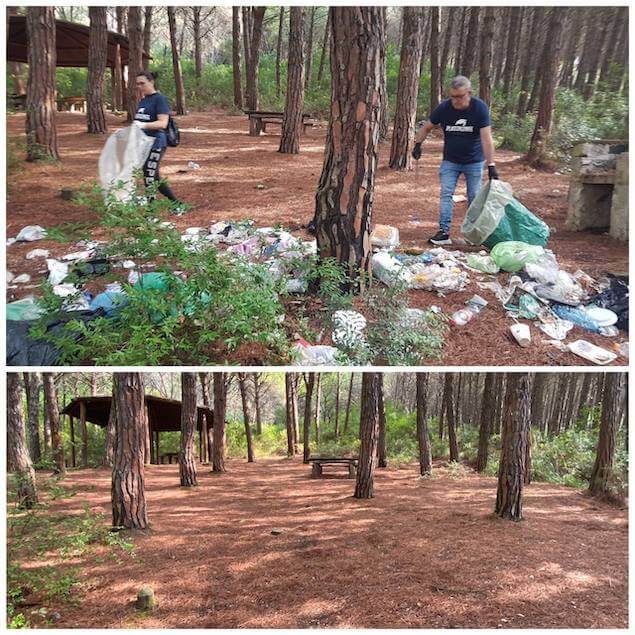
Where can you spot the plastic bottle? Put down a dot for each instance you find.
(463, 316)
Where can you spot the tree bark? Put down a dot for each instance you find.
(599, 484)
(309, 47)
(485, 66)
(348, 403)
(196, 34)
(513, 39)
(128, 477)
(488, 408)
(337, 406)
(220, 407)
(325, 43)
(294, 104)
(447, 39)
(33, 386)
(176, 65)
(435, 68)
(600, 45)
(529, 53)
(450, 416)
(242, 382)
(407, 89)
(291, 445)
(135, 57)
(19, 461)
(41, 128)
(238, 90)
(111, 433)
(97, 50)
(147, 34)
(189, 415)
(383, 111)
(471, 44)
(423, 437)
(344, 197)
(382, 460)
(511, 472)
(538, 147)
(318, 406)
(50, 400)
(252, 61)
(369, 433)
(84, 432)
(208, 441)
(619, 18)
(257, 386)
(306, 426)
(279, 48)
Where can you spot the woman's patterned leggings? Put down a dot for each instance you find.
(151, 173)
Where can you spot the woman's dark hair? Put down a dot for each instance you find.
(148, 75)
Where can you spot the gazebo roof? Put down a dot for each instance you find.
(164, 415)
(71, 43)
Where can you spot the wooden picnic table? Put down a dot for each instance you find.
(169, 456)
(258, 120)
(318, 463)
(72, 104)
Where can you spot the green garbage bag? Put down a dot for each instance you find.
(496, 216)
(513, 255)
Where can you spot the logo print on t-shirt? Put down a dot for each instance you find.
(460, 126)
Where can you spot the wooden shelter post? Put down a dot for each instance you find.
(84, 431)
(71, 421)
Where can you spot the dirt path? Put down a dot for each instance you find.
(224, 188)
(421, 554)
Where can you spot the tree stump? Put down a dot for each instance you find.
(146, 601)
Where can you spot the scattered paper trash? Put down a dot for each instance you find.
(592, 352)
(31, 233)
(319, 355)
(384, 237)
(57, 270)
(389, 270)
(23, 278)
(521, 334)
(458, 198)
(557, 330)
(37, 253)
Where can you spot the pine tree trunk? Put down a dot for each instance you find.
(242, 382)
(600, 45)
(488, 407)
(337, 406)
(147, 34)
(599, 484)
(128, 479)
(111, 433)
(84, 432)
(587, 50)
(19, 461)
(485, 66)
(50, 400)
(382, 460)
(435, 70)
(294, 104)
(135, 57)
(220, 407)
(97, 49)
(318, 406)
(383, 111)
(279, 48)
(309, 47)
(511, 472)
(252, 63)
(176, 65)
(306, 426)
(407, 89)
(449, 412)
(189, 416)
(423, 437)
(345, 192)
(238, 90)
(33, 385)
(196, 34)
(460, 52)
(571, 51)
(348, 403)
(469, 56)
(289, 414)
(325, 44)
(41, 129)
(447, 40)
(538, 398)
(609, 54)
(529, 53)
(208, 442)
(514, 34)
(369, 432)
(537, 154)
(256, 380)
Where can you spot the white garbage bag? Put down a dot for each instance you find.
(125, 151)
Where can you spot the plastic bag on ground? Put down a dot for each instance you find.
(615, 298)
(389, 270)
(24, 309)
(23, 278)
(565, 290)
(109, 302)
(544, 270)
(512, 255)
(37, 253)
(57, 270)
(556, 329)
(486, 264)
(125, 151)
(31, 233)
(496, 216)
(384, 237)
(575, 315)
(319, 355)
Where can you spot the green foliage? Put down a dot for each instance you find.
(272, 441)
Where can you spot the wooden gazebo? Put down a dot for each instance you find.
(164, 415)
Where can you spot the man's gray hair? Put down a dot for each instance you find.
(460, 81)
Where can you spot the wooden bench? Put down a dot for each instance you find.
(319, 462)
(72, 104)
(258, 120)
(169, 456)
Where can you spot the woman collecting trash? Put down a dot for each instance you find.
(153, 113)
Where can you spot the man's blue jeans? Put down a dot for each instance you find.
(449, 173)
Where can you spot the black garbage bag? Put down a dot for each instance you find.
(24, 350)
(615, 298)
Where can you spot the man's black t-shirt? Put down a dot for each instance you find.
(462, 130)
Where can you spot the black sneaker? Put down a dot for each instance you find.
(440, 238)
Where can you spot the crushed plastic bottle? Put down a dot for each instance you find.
(474, 306)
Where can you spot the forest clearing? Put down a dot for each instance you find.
(419, 534)
(171, 271)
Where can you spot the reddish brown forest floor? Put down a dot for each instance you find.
(233, 164)
(422, 553)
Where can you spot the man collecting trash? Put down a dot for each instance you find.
(468, 144)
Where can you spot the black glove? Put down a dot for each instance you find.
(492, 173)
(416, 151)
